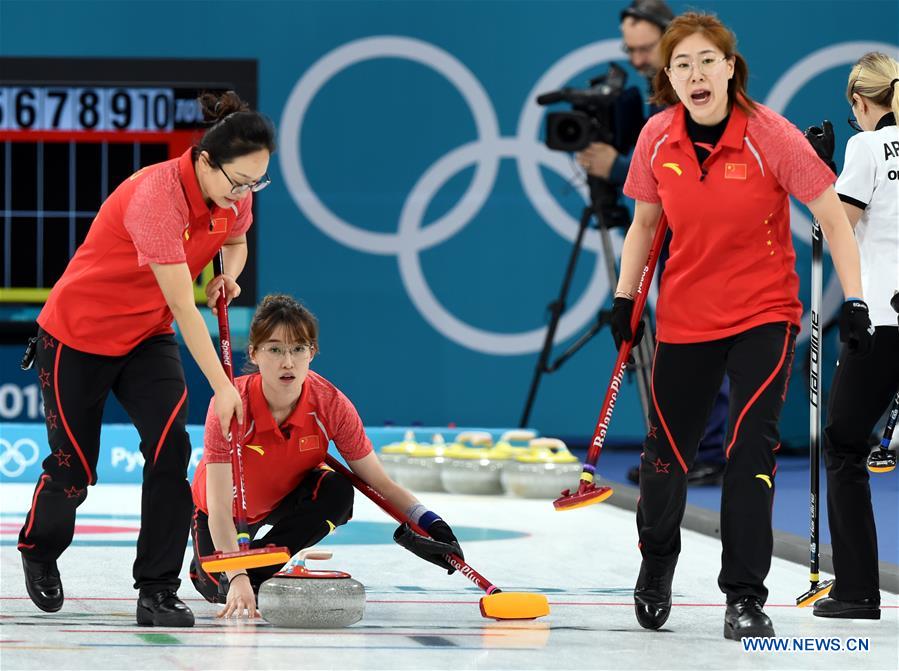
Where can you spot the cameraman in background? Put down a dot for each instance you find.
(642, 25)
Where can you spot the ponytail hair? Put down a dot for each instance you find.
(236, 130)
(876, 77)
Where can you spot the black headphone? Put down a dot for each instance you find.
(654, 11)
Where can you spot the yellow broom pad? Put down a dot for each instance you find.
(514, 606)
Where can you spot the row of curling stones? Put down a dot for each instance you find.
(301, 598)
(519, 464)
(422, 466)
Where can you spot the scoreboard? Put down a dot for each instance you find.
(71, 130)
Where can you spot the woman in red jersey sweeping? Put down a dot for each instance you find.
(107, 327)
(721, 167)
(290, 415)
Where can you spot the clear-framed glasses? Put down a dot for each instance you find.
(643, 49)
(237, 189)
(281, 351)
(683, 69)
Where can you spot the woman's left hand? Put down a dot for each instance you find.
(232, 290)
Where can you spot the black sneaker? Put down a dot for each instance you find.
(706, 474)
(652, 598)
(43, 584)
(745, 617)
(864, 609)
(633, 474)
(163, 609)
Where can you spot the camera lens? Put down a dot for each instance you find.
(569, 131)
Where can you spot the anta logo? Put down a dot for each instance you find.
(135, 175)
(734, 171)
(256, 448)
(765, 478)
(675, 167)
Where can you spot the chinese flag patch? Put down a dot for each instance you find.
(307, 443)
(220, 224)
(734, 171)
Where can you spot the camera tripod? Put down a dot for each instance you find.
(607, 214)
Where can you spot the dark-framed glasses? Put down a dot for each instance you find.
(237, 188)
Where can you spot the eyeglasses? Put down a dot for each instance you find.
(281, 351)
(237, 189)
(645, 49)
(708, 65)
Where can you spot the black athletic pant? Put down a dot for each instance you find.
(149, 383)
(685, 380)
(861, 391)
(321, 502)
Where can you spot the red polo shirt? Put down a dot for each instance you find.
(276, 458)
(107, 300)
(732, 263)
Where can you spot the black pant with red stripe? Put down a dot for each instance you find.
(321, 502)
(685, 380)
(149, 383)
(861, 391)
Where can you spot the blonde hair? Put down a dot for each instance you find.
(710, 27)
(874, 77)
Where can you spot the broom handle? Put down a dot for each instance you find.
(454, 560)
(235, 435)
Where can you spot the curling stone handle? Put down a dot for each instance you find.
(553, 444)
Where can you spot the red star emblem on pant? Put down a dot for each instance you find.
(73, 491)
(48, 342)
(661, 466)
(652, 431)
(44, 376)
(51, 419)
(62, 458)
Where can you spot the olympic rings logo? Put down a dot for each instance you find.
(13, 461)
(485, 154)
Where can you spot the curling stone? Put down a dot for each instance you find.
(395, 453)
(303, 599)
(473, 470)
(541, 473)
(420, 471)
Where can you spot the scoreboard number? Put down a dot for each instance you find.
(96, 108)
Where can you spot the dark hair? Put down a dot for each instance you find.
(236, 129)
(654, 11)
(282, 310)
(718, 34)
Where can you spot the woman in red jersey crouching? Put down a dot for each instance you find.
(290, 415)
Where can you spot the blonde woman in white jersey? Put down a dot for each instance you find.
(864, 384)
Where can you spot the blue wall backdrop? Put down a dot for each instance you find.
(413, 206)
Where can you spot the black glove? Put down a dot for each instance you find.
(434, 549)
(855, 326)
(822, 141)
(622, 311)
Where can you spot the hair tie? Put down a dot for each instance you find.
(893, 83)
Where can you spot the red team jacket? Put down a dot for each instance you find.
(732, 263)
(276, 458)
(107, 300)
